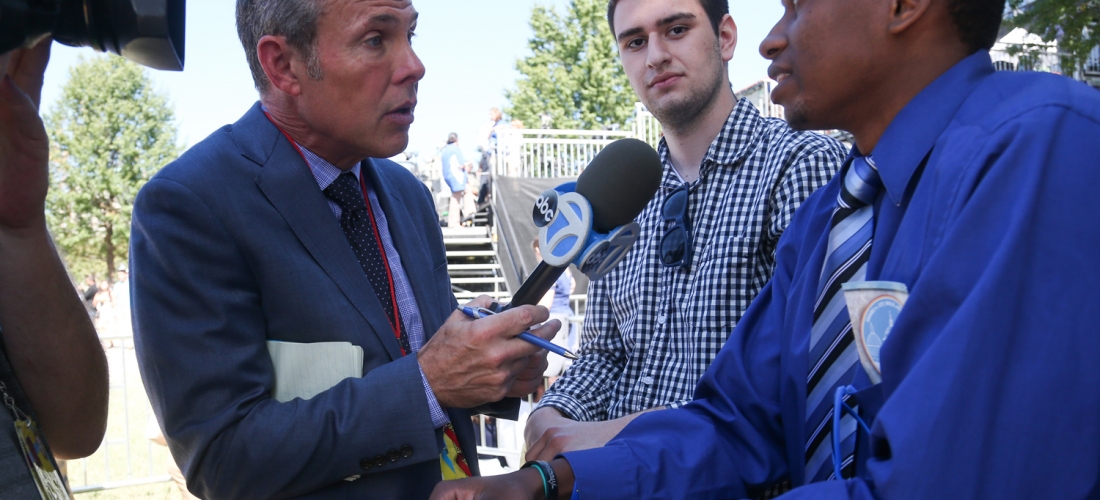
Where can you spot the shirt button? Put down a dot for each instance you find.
(647, 380)
(661, 317)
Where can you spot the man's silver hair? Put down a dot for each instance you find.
(294, 19)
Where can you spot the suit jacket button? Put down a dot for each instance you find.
(406, 451)
(366, 464)
(379, 461)
(392, 455)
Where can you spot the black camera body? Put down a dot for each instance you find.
(148, 32)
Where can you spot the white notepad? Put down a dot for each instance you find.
(306, 370)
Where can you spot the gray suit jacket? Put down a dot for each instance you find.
(233, 244)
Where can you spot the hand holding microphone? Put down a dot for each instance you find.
(590, 223)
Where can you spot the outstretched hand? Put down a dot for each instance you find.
(522, 484)
(506, 487)
(24, 145)
(548, 433)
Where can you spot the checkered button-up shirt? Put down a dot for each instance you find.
(650, 331)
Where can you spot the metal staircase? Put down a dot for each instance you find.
(472, 262)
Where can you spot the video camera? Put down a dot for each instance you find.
(148, 32)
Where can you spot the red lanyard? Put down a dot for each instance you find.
(396, 324)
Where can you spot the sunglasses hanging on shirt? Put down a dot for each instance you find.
(676, 244)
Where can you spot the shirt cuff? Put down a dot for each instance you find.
(677, 404)
(606, 473)
(568, 405)
(439, 417)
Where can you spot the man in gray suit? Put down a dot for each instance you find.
(284, 227)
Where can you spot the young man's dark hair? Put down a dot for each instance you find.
(715, 10)
(978, 21)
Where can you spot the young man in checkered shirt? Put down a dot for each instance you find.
(655, 324)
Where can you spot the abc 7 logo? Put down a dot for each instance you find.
(565, 236)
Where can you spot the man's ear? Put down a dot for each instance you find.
(727, 37)
(905, 13)
(275, 57)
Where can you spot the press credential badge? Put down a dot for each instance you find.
(46, 476)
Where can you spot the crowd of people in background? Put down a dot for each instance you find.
(456, 176)
(469, 183)
(108, 304)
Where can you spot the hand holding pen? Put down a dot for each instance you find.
(481, 312)
(467, 363)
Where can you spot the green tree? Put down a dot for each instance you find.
(573, 74)
(1072, 23)
(109, 132)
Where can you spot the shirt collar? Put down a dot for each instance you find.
(732, 143)
(913, 132)
(324, 172)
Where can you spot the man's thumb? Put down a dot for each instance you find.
(547, 330)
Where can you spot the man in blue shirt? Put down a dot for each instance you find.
(454, 174)
(989, 381)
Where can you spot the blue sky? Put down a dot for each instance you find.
(469, 48)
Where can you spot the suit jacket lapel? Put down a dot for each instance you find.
(411, 246)
(286, 181)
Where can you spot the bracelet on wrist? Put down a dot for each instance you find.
(549, 479)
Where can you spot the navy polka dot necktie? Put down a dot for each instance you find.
(358, 226)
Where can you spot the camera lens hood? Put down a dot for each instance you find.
(148, 32)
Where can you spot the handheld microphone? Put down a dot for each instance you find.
(590, 223)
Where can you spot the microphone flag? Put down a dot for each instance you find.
(568, 237)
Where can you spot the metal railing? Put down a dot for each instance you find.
(1044, 57)
(760, 95)
(126, 457)
(1018, 57)
(646, 127)
(548, 153)
(1092, 64)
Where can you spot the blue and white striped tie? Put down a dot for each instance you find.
(833, 357)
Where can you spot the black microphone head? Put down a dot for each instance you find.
(619, 182)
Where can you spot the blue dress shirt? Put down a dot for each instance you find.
(991, 374)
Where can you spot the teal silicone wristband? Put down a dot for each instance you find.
(549, 478)
(545, 483)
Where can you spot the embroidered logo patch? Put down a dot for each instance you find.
(877, 322)
(873, 307)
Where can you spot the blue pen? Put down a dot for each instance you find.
(481, 312)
